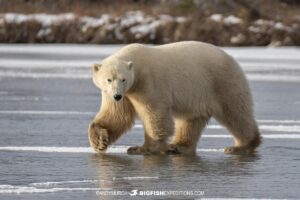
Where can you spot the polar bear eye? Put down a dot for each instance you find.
(123, 80)
(109, 80)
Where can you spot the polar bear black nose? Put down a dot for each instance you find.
(117, 97)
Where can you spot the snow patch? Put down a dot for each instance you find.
(42, 18)
(144, 29)
(237, 39)
(216, 17)
(265, 26)
(231, 20)
(94, 22)
(44, 32)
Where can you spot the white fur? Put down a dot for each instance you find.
(178, 87)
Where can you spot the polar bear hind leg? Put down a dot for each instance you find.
(243, 128)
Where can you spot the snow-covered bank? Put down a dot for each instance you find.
(136, 26)
(71, 28)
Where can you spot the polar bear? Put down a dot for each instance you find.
(174, 89)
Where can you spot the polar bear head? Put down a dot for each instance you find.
(114, 78)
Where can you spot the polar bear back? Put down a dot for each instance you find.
(191, 77)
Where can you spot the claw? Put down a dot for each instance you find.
(172, 149)
(137, 150)
(238, 150)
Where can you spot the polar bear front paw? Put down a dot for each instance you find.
(173, 149)
(99, 138)
(138, 150)
(238, 150)
(103, 140)
(180, 149)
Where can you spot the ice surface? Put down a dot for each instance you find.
(38, 162)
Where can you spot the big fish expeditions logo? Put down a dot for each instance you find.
(136, 192)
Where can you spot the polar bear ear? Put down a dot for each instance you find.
(96, 67)
(129, 64)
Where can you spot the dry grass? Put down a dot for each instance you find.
(272, 9)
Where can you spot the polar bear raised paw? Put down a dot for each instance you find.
(98, 137)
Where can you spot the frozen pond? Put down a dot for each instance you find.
(47, 100)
